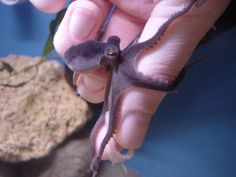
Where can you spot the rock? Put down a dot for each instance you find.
(37, 116)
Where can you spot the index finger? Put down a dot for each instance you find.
(81, 22)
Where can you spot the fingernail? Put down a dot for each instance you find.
(81, 23)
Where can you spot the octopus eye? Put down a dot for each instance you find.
(111, 52)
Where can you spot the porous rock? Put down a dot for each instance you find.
(38, 109)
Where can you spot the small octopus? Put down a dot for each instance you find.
(93, 54)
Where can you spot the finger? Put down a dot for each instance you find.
(174, 48)
(50, 6)
(137, 109)
(92, 86)
(165, 61)
(125, 26)
(138, 106)
(177, 44)
(140, 9)
(81, 22)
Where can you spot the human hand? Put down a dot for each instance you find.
(82, 22)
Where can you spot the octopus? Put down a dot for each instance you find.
(123, 74)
